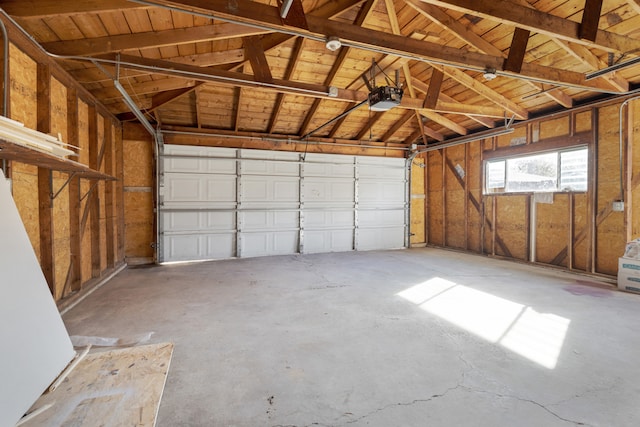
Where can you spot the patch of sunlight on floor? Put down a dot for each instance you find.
(537, 336)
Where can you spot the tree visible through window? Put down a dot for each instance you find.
(564, 170)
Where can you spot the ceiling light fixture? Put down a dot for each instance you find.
(333, 43)
(489, 74)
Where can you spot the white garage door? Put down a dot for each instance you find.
(222, 203)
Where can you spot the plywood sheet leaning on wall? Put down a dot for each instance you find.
(610, 227)
(435, 186)
(455, 182)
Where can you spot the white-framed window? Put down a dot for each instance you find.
(561, 170)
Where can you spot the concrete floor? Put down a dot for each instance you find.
(419, 337)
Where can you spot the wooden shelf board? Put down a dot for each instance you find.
(11, 151)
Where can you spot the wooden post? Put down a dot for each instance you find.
(120, 191)
(94, 200)
(108, 193)
(75, 266)
(45, 202)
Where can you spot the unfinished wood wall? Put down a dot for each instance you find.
(577, 231)
(138, 195)
(75, 225)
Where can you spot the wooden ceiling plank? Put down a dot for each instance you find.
(635, 5)
(372, 121)
(414, 136)
(362, 15)
(397, 125)
(584, 55)
(479, 43)
(306, 122)
(160, 99)
(338, 124)
(556, 94)
(588, 29)
(149, 39)
(432, 133)
(395, 28)
(456, 27)
(518, 48)
(443, 121)
(48, 8)
(258, 60)
(291, 66)
(507, 12)
(468, 81)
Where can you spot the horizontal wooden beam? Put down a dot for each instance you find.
(45, 8)
(124, 42)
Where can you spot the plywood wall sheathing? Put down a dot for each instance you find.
(512, 225)
(474, 185)
(582, 121)
(610, 231)
(138, 195)
(418, 198)
(435, 190)
(554, 127)
(23, 100)
(552, 229)
(455, 205)
(580, 232)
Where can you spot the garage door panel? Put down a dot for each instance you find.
(270, 163)
(380, 238)
(199, 160)
(328, 165)
(328, 190)
(199, 189)
(381, 217)
(322, 241)
(268, 220)
(382, 169)
(198, 221)
(268, 243)
(270, 190)
(188, 247)
(314, 219)
(381, 192)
